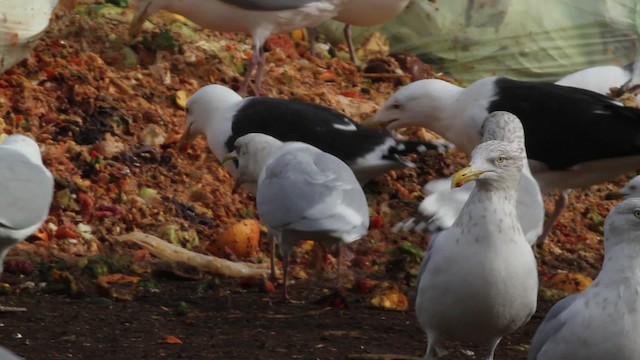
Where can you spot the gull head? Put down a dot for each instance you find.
(421, 103)
(252, 152)
(495, 163)
(630, 189)
(622, 225)
(203, 108)
(24, 145)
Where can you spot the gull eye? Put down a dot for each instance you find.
(636, 213)
(501, 159)
(187, 110)
(396, 106)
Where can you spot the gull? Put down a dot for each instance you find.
(259, 18)
(574, 137)
(26, 192)
(303, 193)
(222, 116)
(630, 189)
(478, 280)
(442, 205)
(602, 321)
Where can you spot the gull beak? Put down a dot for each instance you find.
(185, 139)
(232, 156)
(464, 176)
(138, 20)
(614, 195)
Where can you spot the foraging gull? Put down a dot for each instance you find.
(602, 321)
(442, 205)
(630, 189)
(303, 193)
(478, 280)
(223, 116)
(26, 192)
(259, 18)
(574, 137)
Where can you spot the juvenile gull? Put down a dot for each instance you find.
(223, 116)
(574, 137)
(303, 193)
(26, 192)
(260, 18)
(478, 281)
(602, 321)
(442, 205)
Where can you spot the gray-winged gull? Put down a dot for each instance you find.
(259, 18)
(26, 192)
(223, 116)
(574, 137)
(442, 204)
(303, 193)
(478, 281)
(601, 322)
(630, 189)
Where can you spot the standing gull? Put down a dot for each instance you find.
(442, 205)
(260, 18)
(303, 193)
(478, 281)
(26, 192)
(574, 137)
(602, 321)
(223, 116)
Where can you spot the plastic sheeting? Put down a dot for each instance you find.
(523, 39)
(22, 22)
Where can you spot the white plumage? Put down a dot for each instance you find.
(303, 193)
(574, 137)
(223, 116)
(478, 281)
(442, 204)
(601, 322)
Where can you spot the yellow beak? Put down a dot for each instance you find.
(464, 176)
(614, 195)
(232, 156)
(185, 139)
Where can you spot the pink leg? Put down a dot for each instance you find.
(272, 244)
(255, 58)
(348, 38)
(338, 279)
(261, 60)
(561, 204)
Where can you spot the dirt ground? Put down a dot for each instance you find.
(107, 112)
